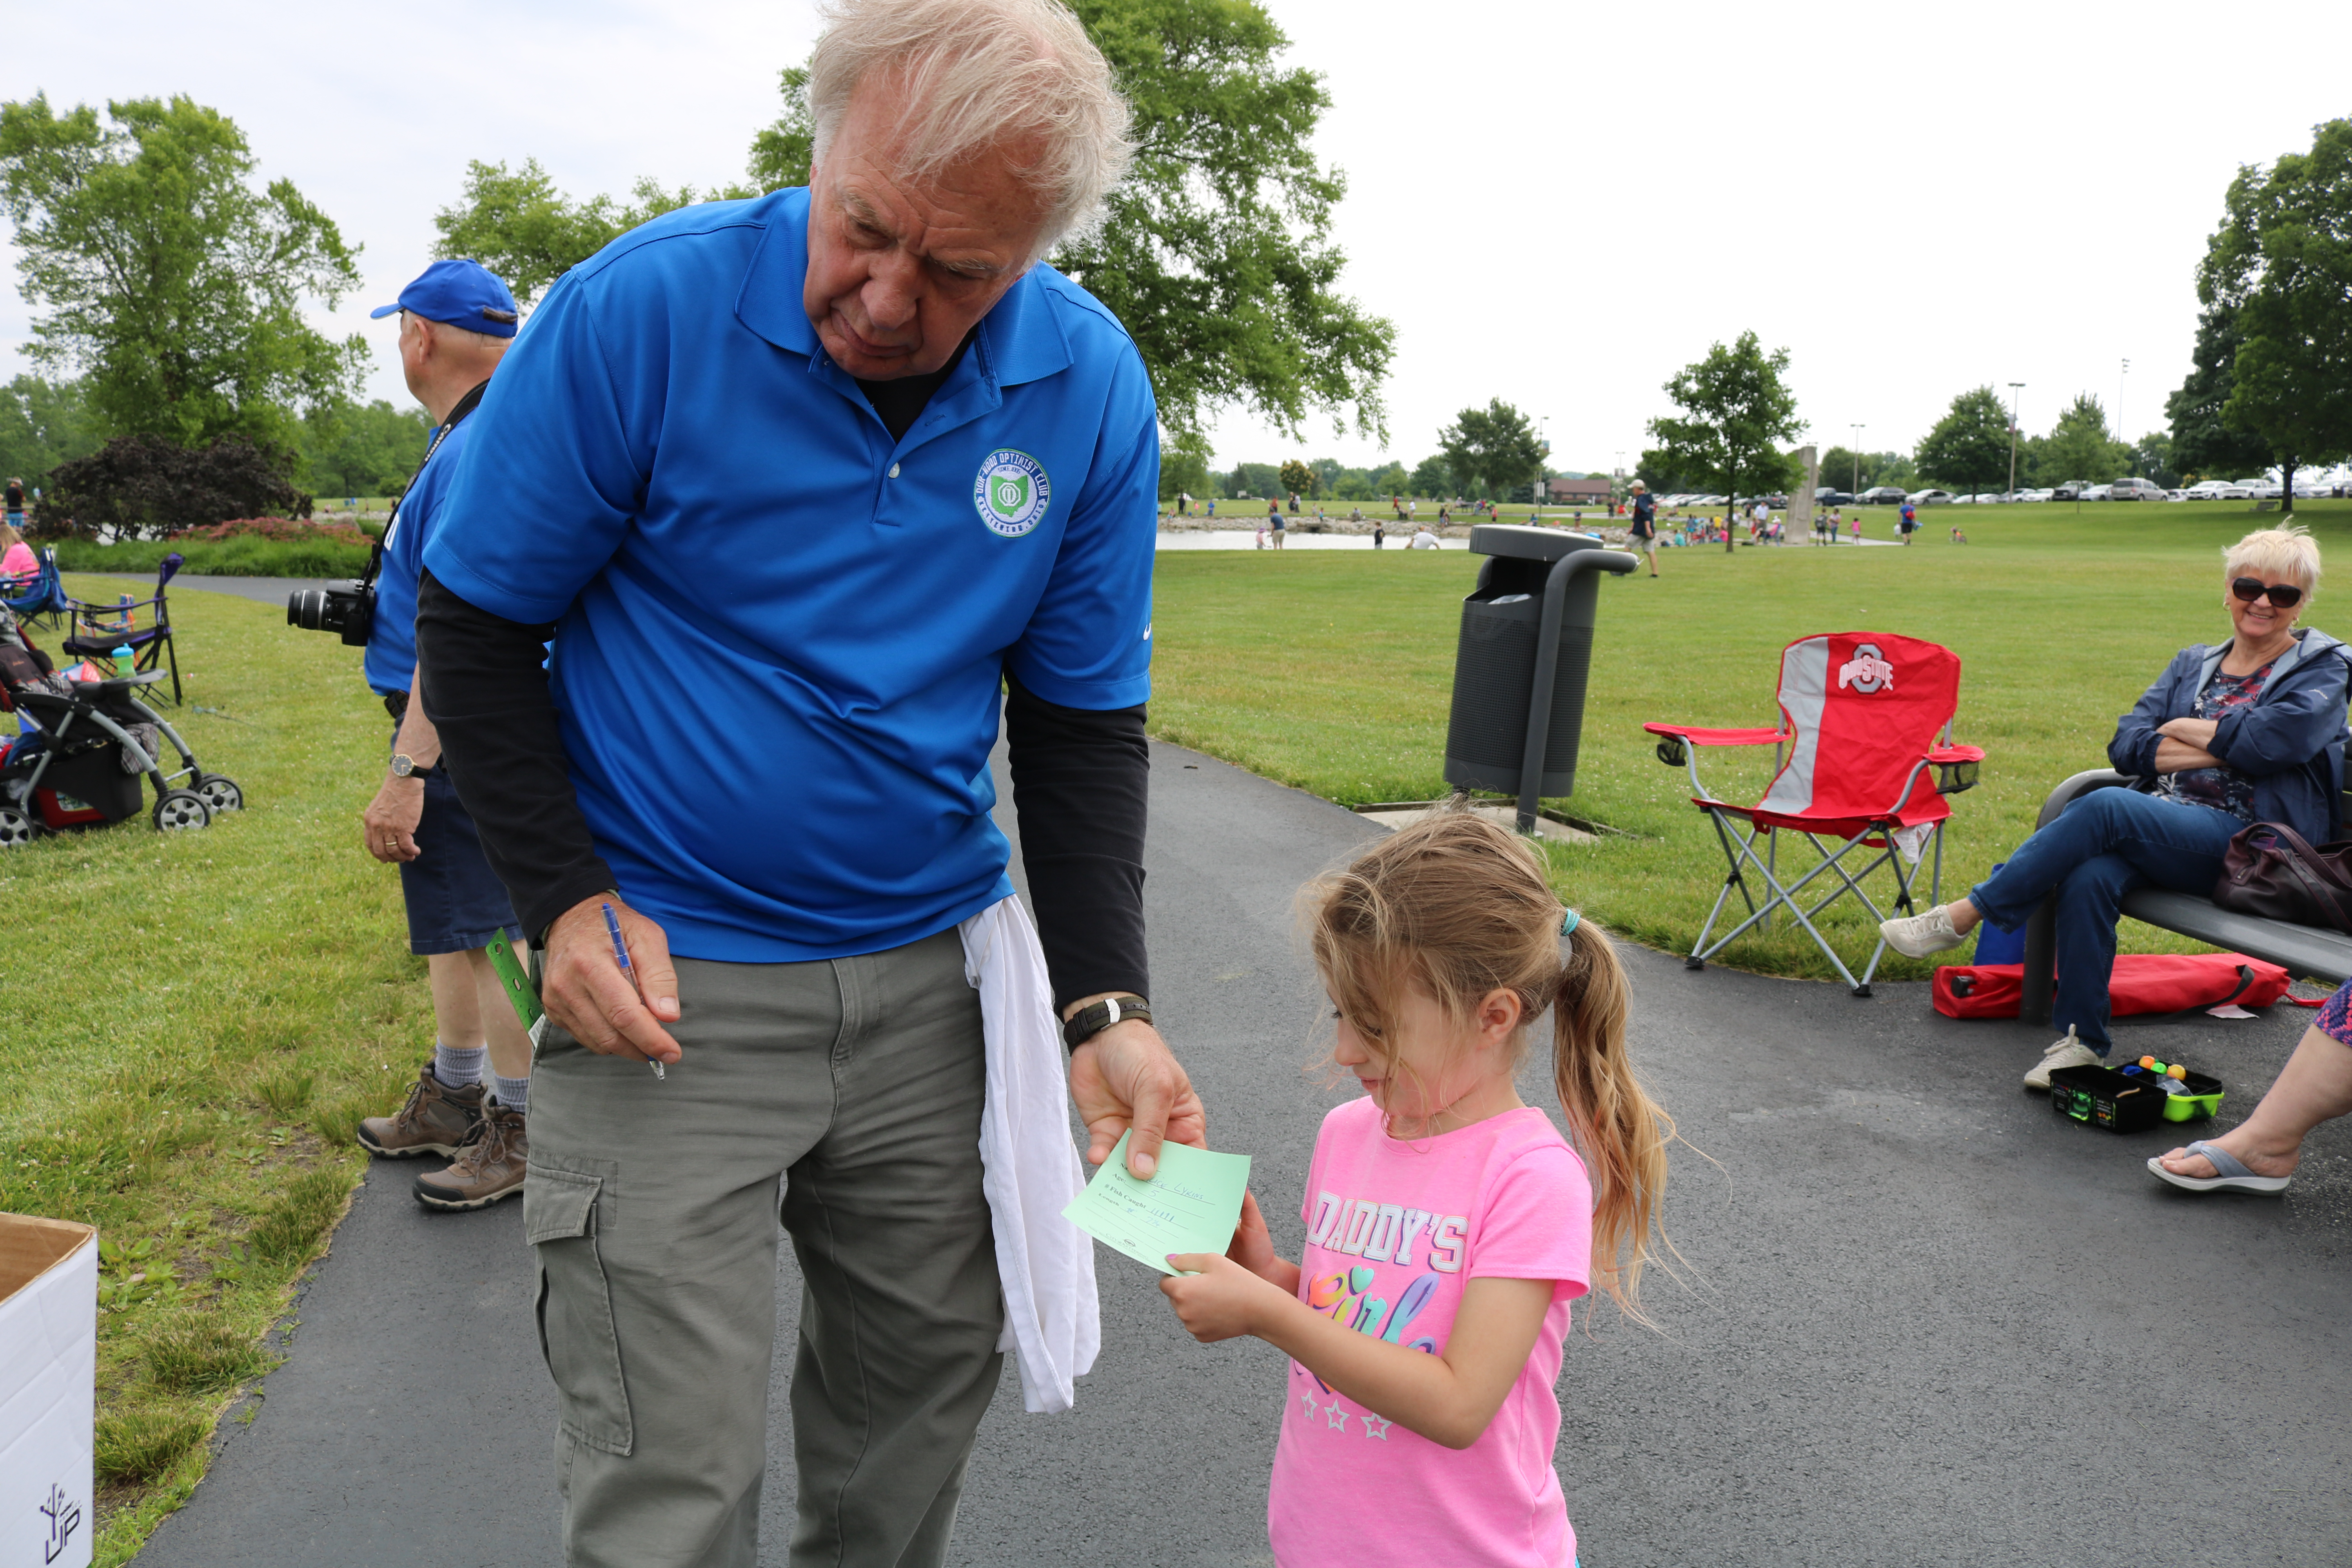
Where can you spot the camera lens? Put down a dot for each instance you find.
(304, 606)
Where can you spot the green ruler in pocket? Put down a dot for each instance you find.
(519, 990)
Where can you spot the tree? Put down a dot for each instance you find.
(517, 224)
(2079, 447)
(178, 286)
(43, 424)
(138, 485)
(1736, 410)
(1391, 480)
(781, 154)
(1300, 480)
(2151, 458)
(364, 450)
(2203, 443)
(1260, 480)
(1434, 477)
(2282, 264)
(1969, 447)
(1183, 471)
(1492, 448)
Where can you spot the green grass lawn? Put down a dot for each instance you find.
(1333, 670)
(199, 1020)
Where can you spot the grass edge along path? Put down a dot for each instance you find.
(206, 1016)
(1332, 672)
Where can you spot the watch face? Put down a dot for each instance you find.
(403, 766)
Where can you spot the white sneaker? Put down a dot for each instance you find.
(1918, 936)
(2069, 1052)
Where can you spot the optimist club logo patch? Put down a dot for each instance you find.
(1012, 492)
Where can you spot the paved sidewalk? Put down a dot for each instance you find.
(1925, 1321)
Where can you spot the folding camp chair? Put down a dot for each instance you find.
(1864, 716)
(42, 594)
(99, 629)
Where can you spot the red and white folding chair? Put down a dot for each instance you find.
(1864, 760)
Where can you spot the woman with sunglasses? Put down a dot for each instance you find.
(2249, 730)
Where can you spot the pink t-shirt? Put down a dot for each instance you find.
(1393, 1228)
(20, 561)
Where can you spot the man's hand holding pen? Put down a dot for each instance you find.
(611, 1011)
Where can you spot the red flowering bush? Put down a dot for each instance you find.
(288, 530)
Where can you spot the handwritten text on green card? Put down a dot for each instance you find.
(1190, 1205)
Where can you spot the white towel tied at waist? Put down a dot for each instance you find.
(1030, 1168)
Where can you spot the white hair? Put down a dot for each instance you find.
(980, 74)
(484, 341)
(2286, 551)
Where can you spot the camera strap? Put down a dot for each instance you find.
(465, 405)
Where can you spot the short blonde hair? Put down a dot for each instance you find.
(2270, 552)
(979, 74)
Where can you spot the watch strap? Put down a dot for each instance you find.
(1096, 1017)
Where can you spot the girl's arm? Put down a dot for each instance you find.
(1448, 1398)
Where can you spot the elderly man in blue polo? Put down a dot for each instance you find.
(809, 493)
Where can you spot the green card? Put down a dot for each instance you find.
(518, 988)
(1190, 1205)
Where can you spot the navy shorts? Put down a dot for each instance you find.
(455, 902)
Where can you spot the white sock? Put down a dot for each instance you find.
(457, 1068)
(514, 1093)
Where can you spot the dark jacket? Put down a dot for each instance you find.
(2289, 741)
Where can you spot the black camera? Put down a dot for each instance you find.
(350, 610)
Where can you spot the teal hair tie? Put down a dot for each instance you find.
(1569, 920)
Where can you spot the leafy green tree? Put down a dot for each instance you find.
(1183, 470)
(176, 286)
(517, 224)
(1432, 477)
(137, 485)
(1298, 479)
(2204, 444)
(2282, 263)
(1393, 481)
(1353, 485)
(1259, 480)
(781, 154)
(43, 424)
(1494, 448)
(1969, 447)
(369, 449)
(2151, 458)
(1736, 410)
(2079, 447)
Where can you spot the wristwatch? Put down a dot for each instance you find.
(1096, 1017)
(404, 766)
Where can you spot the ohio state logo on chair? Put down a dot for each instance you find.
(1864, 760)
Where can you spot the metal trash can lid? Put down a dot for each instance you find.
(1516, 538)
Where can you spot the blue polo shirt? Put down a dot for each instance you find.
(391, 660)
(780, 632)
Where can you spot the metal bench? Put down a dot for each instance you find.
(2308, 953)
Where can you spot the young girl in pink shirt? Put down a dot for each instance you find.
(1449, 1225)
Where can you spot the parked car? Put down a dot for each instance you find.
(1832, 498)
(1881, 495)
(2217, 489)
(2097, 492)
(2263, 489)
(2071, 491)
(2134, 490)
(1930, 498)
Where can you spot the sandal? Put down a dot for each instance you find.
(2231, 1173)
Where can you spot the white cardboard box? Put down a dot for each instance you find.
(49, 1391)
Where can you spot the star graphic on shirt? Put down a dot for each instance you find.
(1377, 1427)
(1336, 1416)
(1308, 1401)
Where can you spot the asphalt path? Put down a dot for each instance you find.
(1920, 1319)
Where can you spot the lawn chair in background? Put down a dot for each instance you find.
(42, 594)
(99, 629)
(1864, 760)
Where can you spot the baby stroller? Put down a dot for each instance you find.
(86, 742)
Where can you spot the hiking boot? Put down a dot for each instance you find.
(488, 1169)
(1921, 935)
(433, 1120)
(2069, 1052)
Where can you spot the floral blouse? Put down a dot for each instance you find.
(2222, 788)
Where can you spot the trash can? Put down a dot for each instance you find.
(1520, 666)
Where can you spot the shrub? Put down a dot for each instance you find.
(143, 1444)
(286, 530)
(138, 486)
(204, 1356)
(302, 1215)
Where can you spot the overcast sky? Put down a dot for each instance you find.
(1557, 204)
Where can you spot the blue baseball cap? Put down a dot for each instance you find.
(461, 293)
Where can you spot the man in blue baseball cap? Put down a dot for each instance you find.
(457, 321)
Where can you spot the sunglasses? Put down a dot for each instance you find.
(2285, 595)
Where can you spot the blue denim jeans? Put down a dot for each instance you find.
(2102, 846)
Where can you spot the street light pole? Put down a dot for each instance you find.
(2013, 387)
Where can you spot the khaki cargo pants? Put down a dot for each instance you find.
(652, 1206)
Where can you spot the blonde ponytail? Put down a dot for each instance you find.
(1619, 1129)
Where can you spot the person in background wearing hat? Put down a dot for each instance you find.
(1644, 530)
(455, 321)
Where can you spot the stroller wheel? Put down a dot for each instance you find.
(180, 809)
(16, 829)
(220, 792)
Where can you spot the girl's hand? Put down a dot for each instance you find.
(1253, 1248)
(1221, 1300)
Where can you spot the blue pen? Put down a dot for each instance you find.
(621, 957)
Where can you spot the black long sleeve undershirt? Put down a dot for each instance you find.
(1081, 781)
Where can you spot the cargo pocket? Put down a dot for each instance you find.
(575, 1307)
